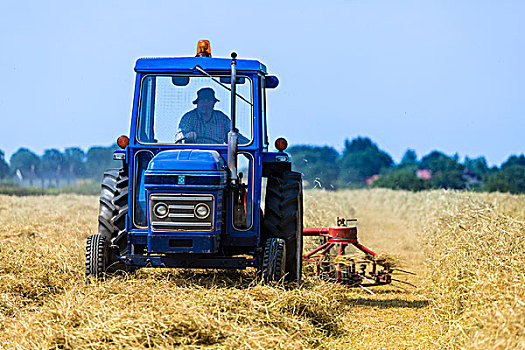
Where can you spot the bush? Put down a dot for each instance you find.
(508, 179)
(319, 165)
(401, 180)
(85, 188)
(88, 188)
(22, 191)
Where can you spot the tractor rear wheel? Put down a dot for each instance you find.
(113, 205)
(283, 218)
(97, 256)
(274, 260)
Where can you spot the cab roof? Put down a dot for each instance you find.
(188, 63)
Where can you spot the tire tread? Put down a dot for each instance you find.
(283, 217)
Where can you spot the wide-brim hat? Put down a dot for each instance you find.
(206, 94)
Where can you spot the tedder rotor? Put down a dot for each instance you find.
(333, 263)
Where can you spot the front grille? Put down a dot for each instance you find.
(181, 214)
(188, 180)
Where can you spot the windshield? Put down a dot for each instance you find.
(193, 109)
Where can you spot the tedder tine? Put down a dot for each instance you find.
(410, 284)
(368, 279)
(406, 290)
(368, 290)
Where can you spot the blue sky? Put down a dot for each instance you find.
(446, 75)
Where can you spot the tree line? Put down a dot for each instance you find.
(72, 161)
(362, 164)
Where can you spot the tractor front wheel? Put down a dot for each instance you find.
(97, 253)
(274, 260)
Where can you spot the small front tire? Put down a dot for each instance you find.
(274, 260)
(97, 256)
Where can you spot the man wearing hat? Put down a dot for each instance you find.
(205, 124)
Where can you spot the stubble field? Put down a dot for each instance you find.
(467, 249)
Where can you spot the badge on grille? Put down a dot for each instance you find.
(182, 180)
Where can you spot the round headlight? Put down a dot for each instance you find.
(161, 210)
(202, 211)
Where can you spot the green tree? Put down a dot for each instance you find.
(409, 158)
(408, 162)
(53, 161)
(514, 160)
(446, 171)
(361, 159)
(401, 180)
(99, 159)
(319, 165)
(4, 168)
(25, 160)
(508, 179)
(76, 158)
(359, 144)
(478, 166)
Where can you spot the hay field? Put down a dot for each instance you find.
(468, 250)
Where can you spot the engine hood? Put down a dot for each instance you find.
(187, 160)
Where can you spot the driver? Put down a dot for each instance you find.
(205, 124)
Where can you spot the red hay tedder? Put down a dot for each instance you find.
(332, 263)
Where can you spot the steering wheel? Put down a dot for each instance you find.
(209, 138)
(199, 137)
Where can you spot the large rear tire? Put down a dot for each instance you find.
(283, 218)
(113, 205)
(274, 260)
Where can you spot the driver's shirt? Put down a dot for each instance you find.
(214, 130)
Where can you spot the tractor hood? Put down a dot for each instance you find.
(187, 160)
(185, 168)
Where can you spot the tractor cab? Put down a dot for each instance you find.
(195, 168)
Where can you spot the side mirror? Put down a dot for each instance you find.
(180, 81)
(228, 80)
(271, 82)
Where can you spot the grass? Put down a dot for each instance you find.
(84, 187)
(467, 248)
(22, 191)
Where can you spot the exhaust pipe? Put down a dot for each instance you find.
(233, 134)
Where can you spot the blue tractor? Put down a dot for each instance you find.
(198, 187)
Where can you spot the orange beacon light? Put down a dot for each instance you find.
(203, 49)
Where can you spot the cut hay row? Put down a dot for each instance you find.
(476, 258)
(466, 248)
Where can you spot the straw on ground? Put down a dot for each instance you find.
(468, 250)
